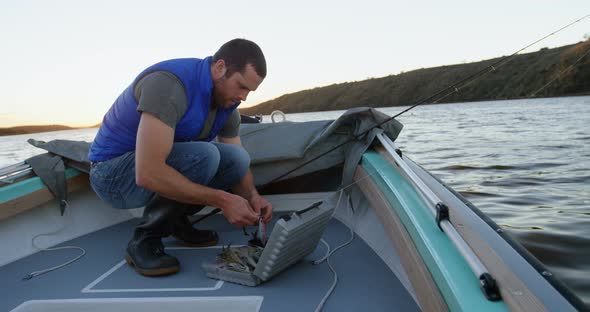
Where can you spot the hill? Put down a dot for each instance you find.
(37, 129)
(521, 77)
(32, 129)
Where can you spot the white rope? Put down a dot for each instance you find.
(40, 272)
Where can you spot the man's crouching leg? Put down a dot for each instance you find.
(189, 235)
(145, 251)
(114, 182)
(204, 167)
(164, 217)
(233, 165)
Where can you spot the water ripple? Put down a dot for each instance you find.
(466, 167)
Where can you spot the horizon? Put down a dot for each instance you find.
(63, 62)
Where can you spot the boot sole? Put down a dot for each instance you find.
(203, 244)
(155, 272)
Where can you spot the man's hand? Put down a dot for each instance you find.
(238, 211)
(262, 207)
(247, 190)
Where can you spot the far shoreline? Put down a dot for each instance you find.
(31, 129)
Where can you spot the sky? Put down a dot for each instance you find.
(65, 62)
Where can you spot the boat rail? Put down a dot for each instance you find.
(10, 173)
(441, 213)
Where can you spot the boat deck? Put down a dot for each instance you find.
(364, 280)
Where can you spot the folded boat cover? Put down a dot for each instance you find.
(50, 168)
(274, 148)
(74, 152)
(277, 148)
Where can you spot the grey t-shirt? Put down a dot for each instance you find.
(162, 94)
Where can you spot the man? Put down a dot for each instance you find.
(154, 149)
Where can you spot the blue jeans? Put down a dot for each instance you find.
(216, 165)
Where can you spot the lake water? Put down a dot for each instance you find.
(525, 163)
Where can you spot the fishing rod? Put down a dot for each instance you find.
(454, 88)
(503, 61)
(562, 72)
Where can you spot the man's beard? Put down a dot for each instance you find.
(216, 101)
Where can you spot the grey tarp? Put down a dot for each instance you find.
(75, 153)
(50, 166)
(51, 170)
(276, 148)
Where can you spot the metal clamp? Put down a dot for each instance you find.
(442, 213)
(489, 287)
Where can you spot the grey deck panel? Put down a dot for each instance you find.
(365, 282)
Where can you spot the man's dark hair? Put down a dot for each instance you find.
(237, 53)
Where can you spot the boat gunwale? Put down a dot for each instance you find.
(441, 258)
(533, 261)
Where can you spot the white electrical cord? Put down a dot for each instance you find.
(40, 272)
(327, 259)
(328, 252)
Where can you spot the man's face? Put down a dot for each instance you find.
(235, 88)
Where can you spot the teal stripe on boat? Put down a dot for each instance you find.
(457, 283)
(27, 186)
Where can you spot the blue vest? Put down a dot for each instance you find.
(118, 131)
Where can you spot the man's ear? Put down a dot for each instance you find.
(219, 69)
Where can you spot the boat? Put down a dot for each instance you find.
(397, 238)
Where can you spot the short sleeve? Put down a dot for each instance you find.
(231, 128)
(162, 94)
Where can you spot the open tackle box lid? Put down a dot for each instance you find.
(293, 238)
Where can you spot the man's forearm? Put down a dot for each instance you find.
(247, 190)
(246, 187)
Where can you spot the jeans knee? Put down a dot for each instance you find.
(235, 162)
(199, 162)
(242, 161)
(204, 165)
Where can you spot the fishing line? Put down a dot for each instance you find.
(330, 252)
(454, 87)
(216, 210)
(501, 62)
(561, 73)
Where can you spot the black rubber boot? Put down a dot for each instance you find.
(184, 230)
(145, 252)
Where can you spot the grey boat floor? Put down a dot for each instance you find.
(364, 280)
